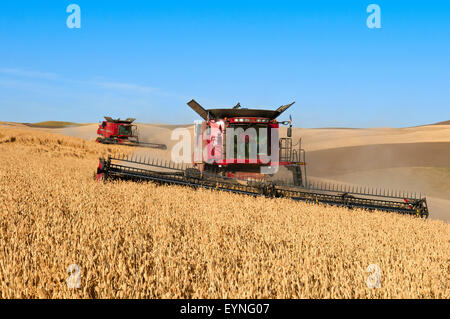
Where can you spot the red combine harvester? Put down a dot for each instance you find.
(237, 149)
(269, 151)
(122, 132)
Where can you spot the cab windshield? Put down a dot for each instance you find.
(125, 130)
(261, 141)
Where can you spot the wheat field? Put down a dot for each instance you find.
(139, 240)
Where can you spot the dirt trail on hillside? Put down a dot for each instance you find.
(359, 158)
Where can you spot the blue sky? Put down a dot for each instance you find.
(146, 59)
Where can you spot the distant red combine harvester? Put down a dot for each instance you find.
(122, 132)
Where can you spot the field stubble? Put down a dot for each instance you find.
(136, 240)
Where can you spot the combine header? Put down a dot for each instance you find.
(122, 132)
(218, 165)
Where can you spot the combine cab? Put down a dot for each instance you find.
(238, 150)
(256, 151)
(122, 132)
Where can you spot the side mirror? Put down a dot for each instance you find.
(289, 131)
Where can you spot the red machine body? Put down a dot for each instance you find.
(210, 141)
(214, 141)
(122, 132)
(117, 131)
